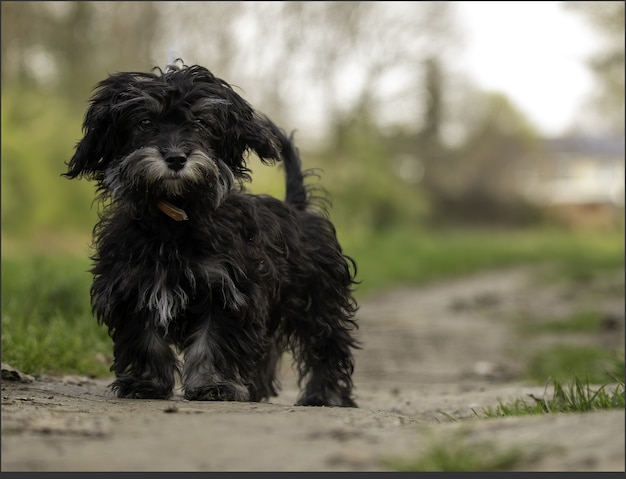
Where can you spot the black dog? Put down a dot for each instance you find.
(184, 257)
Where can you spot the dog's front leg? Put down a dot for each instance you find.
(205, 374)
(144, 364)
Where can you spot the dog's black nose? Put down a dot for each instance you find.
(175, 160)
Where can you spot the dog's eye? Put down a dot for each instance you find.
(145, 123)
(199, 124)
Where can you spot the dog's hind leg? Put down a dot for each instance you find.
(144, 364)
(323, 354)
(330, 365)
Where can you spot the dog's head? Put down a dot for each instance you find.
(167, 135)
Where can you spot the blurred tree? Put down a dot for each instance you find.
(481, 181)
(22, 23)
(332, 58)
(607, 18)
(206, 33)
(67, 37)
(431, 153)
(67, 47)
(351, 63)
(476, 180)
(369, 54)
(129, 30)
(434, 85)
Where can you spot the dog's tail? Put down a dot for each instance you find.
(296, 192)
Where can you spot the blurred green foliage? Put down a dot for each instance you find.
(581, 322)
(364, 191)
(39, 131)
(560, 362)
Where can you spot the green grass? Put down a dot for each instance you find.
(580, 322)
(575, 396)
(413, 255)
(458, 455)
(47, 326)
(561, 362)
(53, 348)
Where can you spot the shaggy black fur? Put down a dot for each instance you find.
(243, 279)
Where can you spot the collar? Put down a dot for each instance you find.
(172, 211)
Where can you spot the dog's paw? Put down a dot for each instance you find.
(132, 388)
(224, 391)
(335, 400)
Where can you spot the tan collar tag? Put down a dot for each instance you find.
(172, 211)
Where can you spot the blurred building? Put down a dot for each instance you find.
(579, 180)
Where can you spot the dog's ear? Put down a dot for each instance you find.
(242, 130)
(259, 135)
(93, 150)
(237, 126)
(239, 130)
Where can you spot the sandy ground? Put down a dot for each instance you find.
(433, 356)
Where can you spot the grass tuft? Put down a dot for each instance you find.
(577, 396)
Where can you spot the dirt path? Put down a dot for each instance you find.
(432, 356)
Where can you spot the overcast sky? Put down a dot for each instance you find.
(534, 52)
